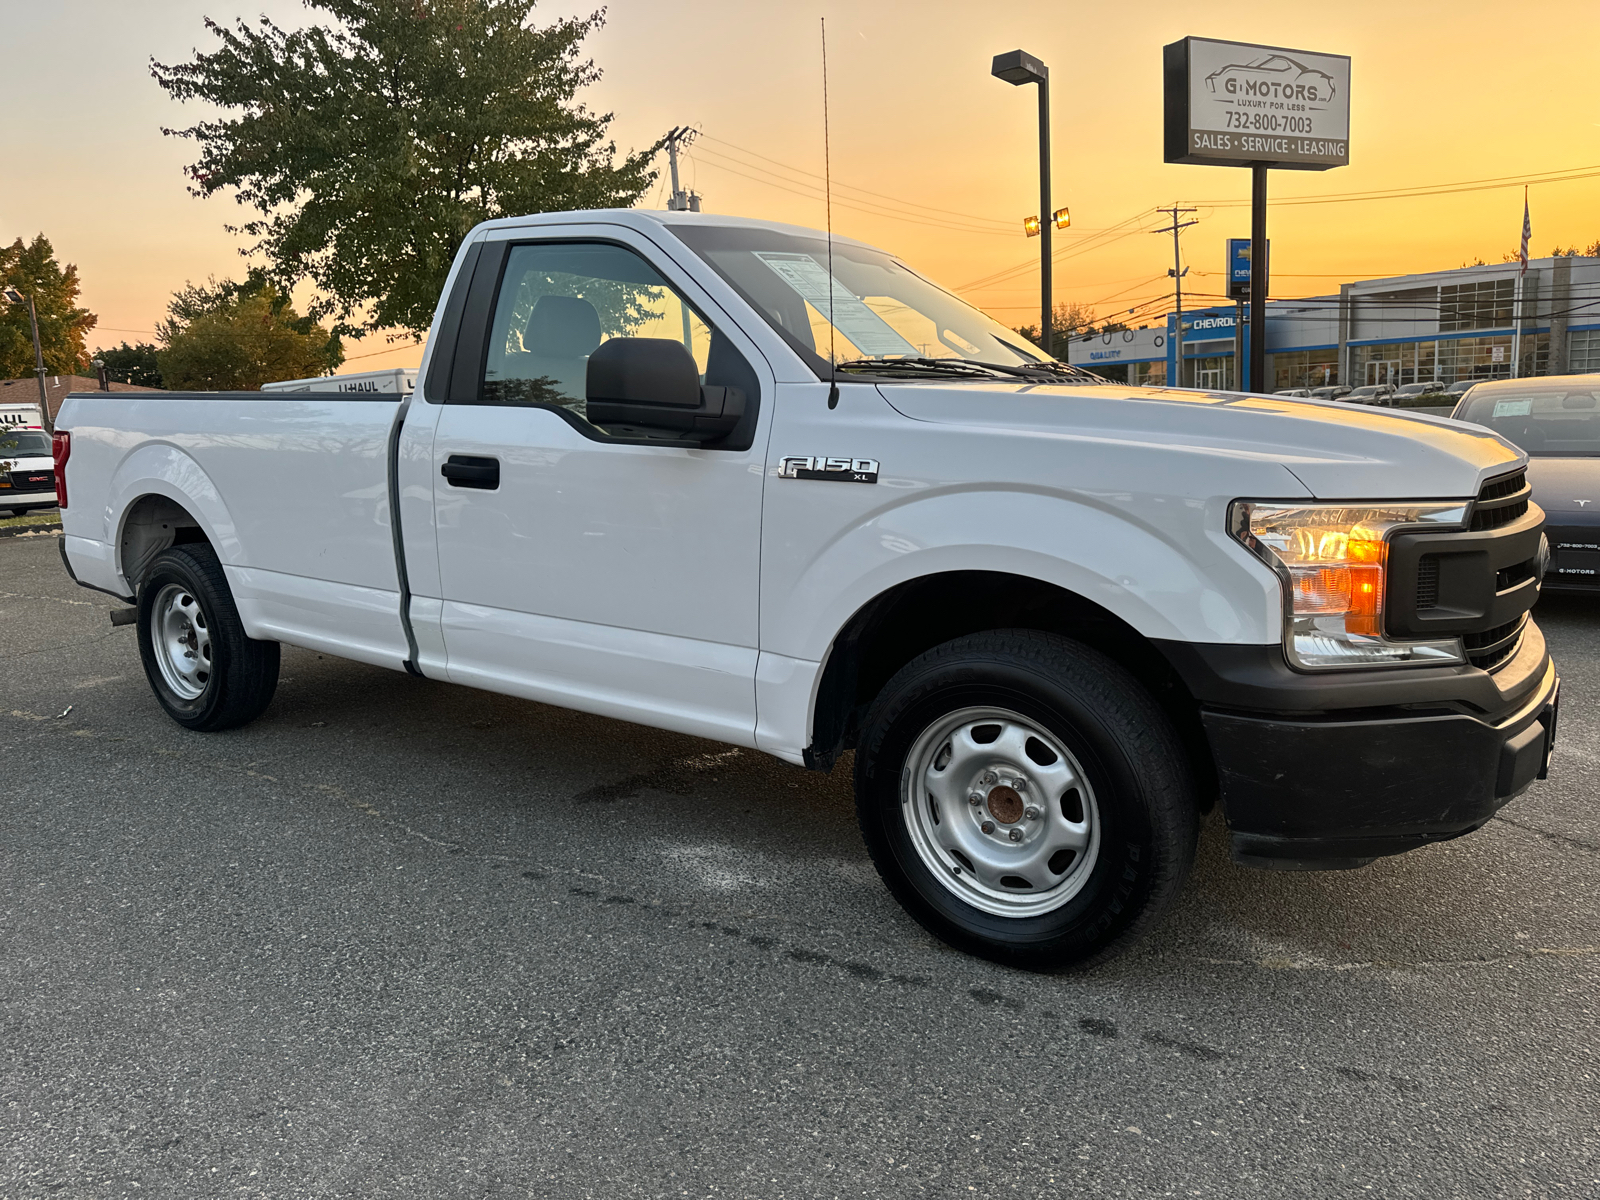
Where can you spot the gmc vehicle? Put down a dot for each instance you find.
(723, 477)
(27, 469)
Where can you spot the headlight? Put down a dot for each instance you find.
(1333, 560)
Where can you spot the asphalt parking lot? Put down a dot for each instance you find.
(403, 939)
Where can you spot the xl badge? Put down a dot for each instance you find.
(839, 470)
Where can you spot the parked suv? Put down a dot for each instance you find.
(1376, 393)
(1414, 391)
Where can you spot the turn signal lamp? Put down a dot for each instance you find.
(1062, 218)
(1031, 226)
(1333, 561)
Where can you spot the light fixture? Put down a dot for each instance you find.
(1032, 226)
(1062, 217)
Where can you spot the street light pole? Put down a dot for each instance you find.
(1020, 67)
(16, 297)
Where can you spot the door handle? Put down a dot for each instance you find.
(470, 471)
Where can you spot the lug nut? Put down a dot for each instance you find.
(1021, 785)
(975, 799)
(987, 826)
(990, 777)
(1015, 835)
(1031, 813)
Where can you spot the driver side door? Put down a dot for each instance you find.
(602, 574)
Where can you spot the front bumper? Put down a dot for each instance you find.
(1318, 772)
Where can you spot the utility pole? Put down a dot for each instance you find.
(680, 200)
(1178, 271)
(16, 297)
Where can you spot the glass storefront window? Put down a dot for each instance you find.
(1583, 351)
(1148, 374)
(1304, 368)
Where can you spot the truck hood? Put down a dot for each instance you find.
(1566, 485)
(1339, 451)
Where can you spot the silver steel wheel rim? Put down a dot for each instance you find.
(181, 635)
(960, 799)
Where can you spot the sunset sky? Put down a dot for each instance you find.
(1443, 94)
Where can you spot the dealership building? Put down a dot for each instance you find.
(1445, 325)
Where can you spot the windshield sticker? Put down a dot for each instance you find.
(1513, 408)
(869, 332)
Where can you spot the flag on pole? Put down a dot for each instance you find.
(1527, 232)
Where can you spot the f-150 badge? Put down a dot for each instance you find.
(839, 470)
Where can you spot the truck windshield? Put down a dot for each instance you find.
(882, 310)
(1547, 422)
(17, 443)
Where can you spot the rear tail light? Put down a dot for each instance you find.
(61, 450)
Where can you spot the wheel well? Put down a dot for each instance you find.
(152, 524)
(893, 628)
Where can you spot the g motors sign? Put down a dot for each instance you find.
(1235, 104)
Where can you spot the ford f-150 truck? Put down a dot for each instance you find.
(723, 477)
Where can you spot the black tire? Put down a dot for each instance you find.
(20, 512)
(1131, 756)
(243, 672)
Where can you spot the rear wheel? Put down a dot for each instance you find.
(206, 672)
(1025, 799)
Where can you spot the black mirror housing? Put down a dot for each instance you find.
(653, 384)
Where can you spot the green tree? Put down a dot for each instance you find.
(371, 146)
(134, 364)
(1592, 250)
(237, 336)
(32, 269)
(1067, 320)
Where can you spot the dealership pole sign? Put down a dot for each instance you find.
(1235, 104)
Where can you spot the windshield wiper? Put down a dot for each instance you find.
(955, 367)
(1033, 370)
(968, 368)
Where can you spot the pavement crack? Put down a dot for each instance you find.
(59, 646)
(1547, 833)
(51, 599)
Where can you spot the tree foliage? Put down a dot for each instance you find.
(1067, 320)
(135, 364)
(32, 269)
(370, 146)
(1592, 250)
(236, 336)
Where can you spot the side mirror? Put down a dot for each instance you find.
(653, 384)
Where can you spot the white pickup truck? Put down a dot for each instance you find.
(1056, 619)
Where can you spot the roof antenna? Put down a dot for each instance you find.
(827, 192)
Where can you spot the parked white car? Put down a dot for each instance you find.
(717, 476)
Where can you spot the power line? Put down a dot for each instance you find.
(816, 193)
(853, 188)
(1492, 183)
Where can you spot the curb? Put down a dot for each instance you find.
(27, 530)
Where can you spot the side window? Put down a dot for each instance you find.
(559, 301)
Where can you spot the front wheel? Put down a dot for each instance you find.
(1025, 799)
(206, 672)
